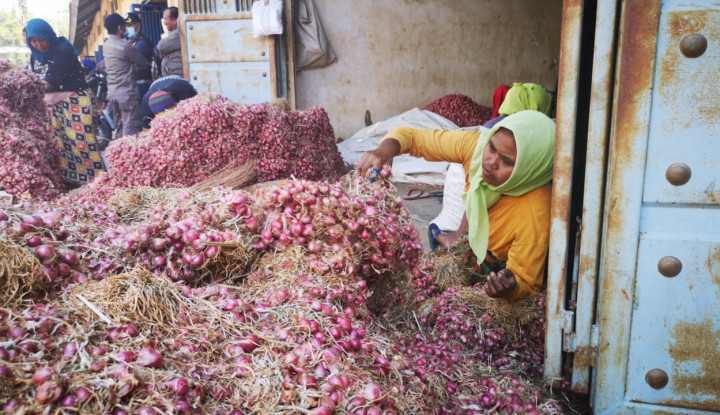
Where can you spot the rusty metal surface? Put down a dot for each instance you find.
(687, 111)
(675, 322)
(650, 323)
(600, 107)
(628, 141)
(564, 148)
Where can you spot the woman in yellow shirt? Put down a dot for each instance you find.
(507, 198)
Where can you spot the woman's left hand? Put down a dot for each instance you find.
(500, 284)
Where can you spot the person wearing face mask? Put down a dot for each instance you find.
(134, 33)
(121, 63)
(508, 170)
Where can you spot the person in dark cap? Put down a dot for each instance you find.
(163, 94)
(134, 33)
(121, 63)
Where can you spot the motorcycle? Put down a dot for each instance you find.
(97, 80)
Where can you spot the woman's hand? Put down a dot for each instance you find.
(500, 285)
(377, 158)
(47, 86)
(449, 239)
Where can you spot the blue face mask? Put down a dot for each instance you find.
(130, 32)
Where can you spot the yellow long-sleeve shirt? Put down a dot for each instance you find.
(519, 226)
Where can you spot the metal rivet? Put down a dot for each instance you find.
(669, 266)
(262, 53)
(195, 78)
(264, 74)
(191, 28)
(678, 174)
(656, 378)
(192, 56)
(693, 45)
(224, 1)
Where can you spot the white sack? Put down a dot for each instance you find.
(267, 17)
(406, 168)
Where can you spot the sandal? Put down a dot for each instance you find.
(433, 231)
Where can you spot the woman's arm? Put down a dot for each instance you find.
(432, 145)
(386, 151)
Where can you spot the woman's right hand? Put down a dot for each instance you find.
(377, 158)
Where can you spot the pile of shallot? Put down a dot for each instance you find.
(209, 133)
(30, 156)
(296, 297)
(461, 110)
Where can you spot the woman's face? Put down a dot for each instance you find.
(41, 45)
(498, 160)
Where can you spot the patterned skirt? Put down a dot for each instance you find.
(73, 121)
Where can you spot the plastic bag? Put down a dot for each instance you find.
(312, 47)
(267, 17)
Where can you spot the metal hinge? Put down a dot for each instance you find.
(570, 338)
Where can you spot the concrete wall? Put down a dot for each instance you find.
(395, 55)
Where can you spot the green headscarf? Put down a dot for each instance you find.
(535, 141)
(525, 97)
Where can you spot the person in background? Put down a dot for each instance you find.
(498, 98)
(143, 77)
(71, 103)
(169, 46)
(163, 94)
(507, 192)
(88, 66)
(521, 97)
(121, 62)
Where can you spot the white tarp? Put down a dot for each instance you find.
(406, 169)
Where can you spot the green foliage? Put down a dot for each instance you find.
(10, 29)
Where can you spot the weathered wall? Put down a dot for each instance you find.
(396, 55)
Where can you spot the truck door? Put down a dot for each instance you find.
(221, 55)
(651, 343)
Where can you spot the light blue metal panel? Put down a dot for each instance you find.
(225, 40)
(246, 82)
(648, 321)
(676, 324)
(685, 107)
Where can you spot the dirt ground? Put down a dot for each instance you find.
(423, 210)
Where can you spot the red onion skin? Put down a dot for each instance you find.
(179, 386)
(11, 404)
(68, 401)
(70, 350)
(148, 357)
(82, 394)
(33, 241)
(42, 375)
(125, 356)
(47, 392)
(44, 251)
